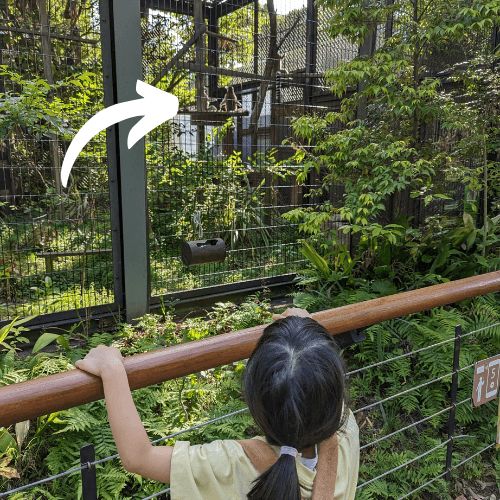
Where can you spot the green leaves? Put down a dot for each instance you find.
(46, 338)
(31, 108)
(316, 260)
(15, 327)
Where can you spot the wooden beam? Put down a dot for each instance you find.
(212, 70)
(229, 6)
(199, 31)
(27, 400)
(51, 35)
(223, 37)
(301, 76)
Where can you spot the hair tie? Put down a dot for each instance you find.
(288, 450)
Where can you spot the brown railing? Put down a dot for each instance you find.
(27, 400)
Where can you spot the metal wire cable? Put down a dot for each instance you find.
(41, 481)
(200, 425)
(475, 455)
(380, 363)
(465, 368)
(404, 465)
(403, 392)
(480, 330)
(424, 485)
(154, 495)
(444, 473)
(371, 443)
(88, 465)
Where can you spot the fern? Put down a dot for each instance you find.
(77, 420)
(103, 440)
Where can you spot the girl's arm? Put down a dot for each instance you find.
(136, 451)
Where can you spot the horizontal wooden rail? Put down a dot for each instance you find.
(27, 400)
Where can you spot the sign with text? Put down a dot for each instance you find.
(485, 380)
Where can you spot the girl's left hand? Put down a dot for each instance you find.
(99, 359)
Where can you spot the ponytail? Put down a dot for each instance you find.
(294, 385)
(279, 482)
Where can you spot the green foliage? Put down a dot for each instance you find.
(164, 408)
(400, 130)
(16, 329)
(220, 189)
(396, 337)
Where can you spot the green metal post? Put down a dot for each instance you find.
(122, 68)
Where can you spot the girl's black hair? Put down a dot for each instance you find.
(294, 384)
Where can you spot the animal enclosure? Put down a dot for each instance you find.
(224, 169)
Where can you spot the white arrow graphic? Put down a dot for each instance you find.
(156, 107)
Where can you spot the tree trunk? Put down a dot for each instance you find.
(48, 75)
(7, 186)
(269, 71)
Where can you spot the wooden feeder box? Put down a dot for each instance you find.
(198, 252)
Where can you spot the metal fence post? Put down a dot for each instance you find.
(122, 67)
(89, 484)
(454, 389)
(311, 48)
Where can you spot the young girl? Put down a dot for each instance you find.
(294, 384)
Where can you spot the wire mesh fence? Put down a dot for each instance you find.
(242, 72)
(449, 462)
(55, 244)
(208, 160)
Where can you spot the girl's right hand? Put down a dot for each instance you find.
(292, 311)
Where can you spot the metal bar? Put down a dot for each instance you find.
(112, 148)
(454, 389)
(390, 21)
(253, 137)
(212, 70)
(219, 291)
(208, 114)
(301, 76)
(200, 59)
(27, 400)
(126, 36)
(175, 6)
(311, 45)
(229, 6)
(89, 483)
(256, 36)
(73, 253)
(51, 35)
(213, 50)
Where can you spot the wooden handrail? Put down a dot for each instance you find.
(27, 400)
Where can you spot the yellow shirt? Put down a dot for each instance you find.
(221, 470)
